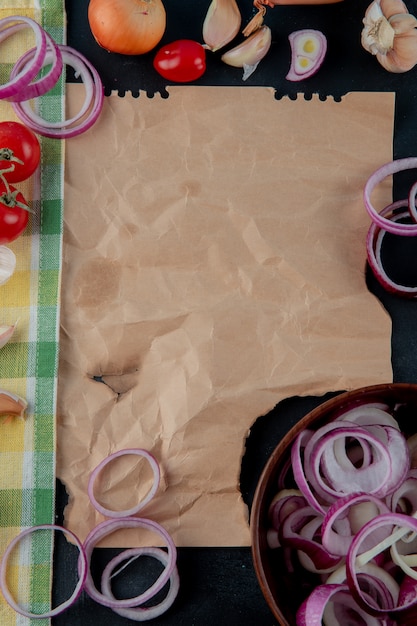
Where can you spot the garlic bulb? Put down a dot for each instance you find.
(389, 32)
(250, 52)
(7, 264)
(221, 24)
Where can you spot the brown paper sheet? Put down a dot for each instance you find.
(213, 265)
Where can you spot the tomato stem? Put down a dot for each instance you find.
(9, 198)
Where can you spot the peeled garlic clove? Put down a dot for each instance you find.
(308, 49)
(5, 333)
(11, 405)
(7, 264)
(221, 24)
(250, 52)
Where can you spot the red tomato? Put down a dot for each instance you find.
(181, 61)
(19, 147)
(13, 218)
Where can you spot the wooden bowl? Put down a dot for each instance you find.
(284, 591)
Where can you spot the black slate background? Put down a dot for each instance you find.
(219, 585)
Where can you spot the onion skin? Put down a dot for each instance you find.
(127, 26)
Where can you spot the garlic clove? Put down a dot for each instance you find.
(377, 34)
(250, 52)
(404, 56)
(7, 264)
(5, 333)
(221, 24)
(392, 7)
(11, 405)
(402, 23)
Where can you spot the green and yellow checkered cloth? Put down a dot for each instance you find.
(28, 363)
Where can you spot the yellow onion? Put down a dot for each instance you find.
(389, 33)
(127, 26)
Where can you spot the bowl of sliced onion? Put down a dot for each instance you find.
(334, 515)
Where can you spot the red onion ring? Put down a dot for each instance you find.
(312, 610)
(48, 81)
(9, 26)
(337, 543)
(90, 111)
(412, 201)
(402, 522)
(340, 482)
(108, 527)
(97, 471)
(141, 614)
(82, 572)
(300, 442)
(377, 177)
(374, 241)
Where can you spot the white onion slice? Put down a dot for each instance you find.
(82, 572)
(377, 177)
(46, 82)
(141, 614)
(107, 528)
(90, 111)
(134, 510)
(9, 26)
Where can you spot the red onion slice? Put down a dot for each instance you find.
(312, 610)
(90, 111)
(338, 481)
(9, 26)
(46, 82)
(140, 614)
(308, 50)
(299, 444)
(377, 177)
(107, 528)
(82, 572)
(353, 507)
(374, 242)
(402, 524)
(138, 507)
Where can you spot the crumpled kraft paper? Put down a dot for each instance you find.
(214, 259)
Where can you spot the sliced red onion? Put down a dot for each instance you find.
(312, 610)
(140, 614)
(82, 572)
(299, 444)
(90, 111)
(107, 528)
(369, 414)
(374, 242)
(308, 50)
(377, 177)
(9, 26)
(46, 82)
(402, 524)
(286, 501)
(338, 481)
(352, 506)
(138, 507)
(412, 201)
(299, 531)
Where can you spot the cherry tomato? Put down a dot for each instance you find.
(181, 61)
(20, 149)
(13, 217)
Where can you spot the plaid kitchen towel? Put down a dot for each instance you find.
(28, 363)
